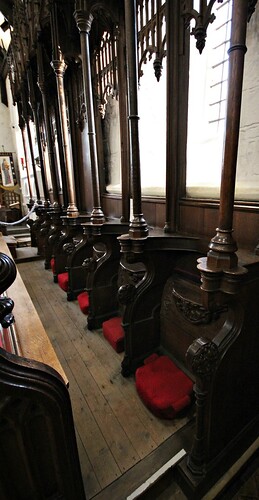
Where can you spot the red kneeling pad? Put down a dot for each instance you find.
(114, 333)
(63, 281)
(83, 301)
(163, 387)
(52, 264)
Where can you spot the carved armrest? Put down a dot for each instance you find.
(68, 248)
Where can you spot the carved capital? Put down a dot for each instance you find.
(59, 67)
(138, 228)
(83, 20)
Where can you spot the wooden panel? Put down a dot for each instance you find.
(112, 206)
(154, 211)
(203, 220)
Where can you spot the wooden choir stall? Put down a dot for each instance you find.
(39, 457)
(177, 271)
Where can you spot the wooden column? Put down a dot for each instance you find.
(22, 127)
(59, 66)
(138, 226)
(42, 87)
(222, 246)
(84, 21)
(122, 85)
(37, 128)
(172, 127)
(27, 121)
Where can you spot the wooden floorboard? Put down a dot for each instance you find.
(115, 432)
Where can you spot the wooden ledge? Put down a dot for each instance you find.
(32, 338)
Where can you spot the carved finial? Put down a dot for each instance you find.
(157, 65)
(202, 20)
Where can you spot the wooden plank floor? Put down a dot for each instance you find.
(114, 430)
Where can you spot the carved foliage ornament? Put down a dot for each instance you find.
(205, 359)
(194, 312)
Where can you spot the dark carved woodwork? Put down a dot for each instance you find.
(34, 106)
(59, 66)
(202, 18)
(222, 247)
(7, 277)
(76, 256)
(84, 19)
(150, 37)
(138, 227)
(39, 228)
(53, 234)
(26, 156)
(43, 88)
(26, 111)
(7, 272)
(70, 234)
(158, 256)
(227, 406)
(102, 272)
(39, 453)
(39, 456)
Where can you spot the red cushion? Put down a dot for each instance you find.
(52, 264)
(163, 387)
(5, 340)
(83, 301)
(63, 281)
(114, 333)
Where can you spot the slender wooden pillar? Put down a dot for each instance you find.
(223, 247)
(37, 128)
(172, 98)
(22, 127)
(59, 66)
(122, 85)
(42, 87)
(138, 226)
(84, 22)
(27, 121)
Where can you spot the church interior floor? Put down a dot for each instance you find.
(119, 440)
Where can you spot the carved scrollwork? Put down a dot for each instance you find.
(68, 248)
(204, 357)
(90, 264)
(7, 272)
(194, 312)
(6, 307)
(126, 294)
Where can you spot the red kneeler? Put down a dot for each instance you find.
(52, 265)
(63, 281)
(114, 333)
(163, 387)
(83, 301)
